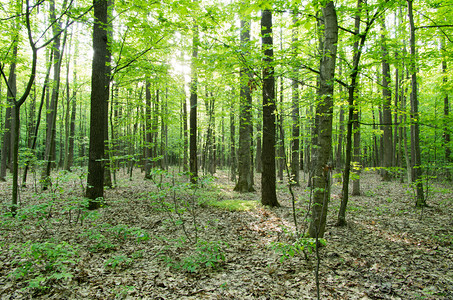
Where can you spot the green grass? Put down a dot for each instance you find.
(234, 204)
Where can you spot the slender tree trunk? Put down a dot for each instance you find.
(148, 129)
(38, 118)
(415, 127)
(324, 111)
(268, 178)
(387, 140)
(232, 142)
(10, 95)
(447, 137)
(52, 112)
(245, 180)
(357, 160)
(281, 136)
(193, 158)
(295, 138)
(185, 162)
(341, 221)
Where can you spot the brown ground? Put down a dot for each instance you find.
(389, 249)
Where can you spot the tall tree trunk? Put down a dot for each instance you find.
(100, 81)
(268, 178)
(232, 142)
(281, 136)
(415, 127)
(193, 157)
(387, 140)
(357, 47)
(38, 118)
(295, 134)
(11, 96)
(447, 137)
(245, 181)
(324, 111)
(58, 50)
(339, 158)
(148, 129)
(185, 161)
(356, 160)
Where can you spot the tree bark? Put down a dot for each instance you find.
(268, 177)
(295, 134)
(245, 182)
(324, 110)
(387, 110)
(193, 157)
(58, 50)
(100, 81)
(416, 168)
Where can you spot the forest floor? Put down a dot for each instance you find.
(161, 239)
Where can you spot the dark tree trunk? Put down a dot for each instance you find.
(100, 80)
(324, 111)
(351, 102)
(268, 178)
(232, 142)
(148, 134)
(193, 157)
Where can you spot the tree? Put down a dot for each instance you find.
(295, 162)
(244, 167)
(100, 82)
(193, 157)
(268, 176)
(57, 49)
(416, 168)
(387, 109)
(324, 111)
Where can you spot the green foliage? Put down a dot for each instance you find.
(299, 246)
(105, 238)
(118, 261)
(206, 255)
(42, 263)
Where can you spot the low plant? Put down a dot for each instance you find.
(206, 255)
(118, 261)
(303, 246)
(42, 263)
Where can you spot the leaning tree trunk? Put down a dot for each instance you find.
(324, 111)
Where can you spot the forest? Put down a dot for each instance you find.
(206, 149)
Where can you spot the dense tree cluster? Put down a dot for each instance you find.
(265, 87)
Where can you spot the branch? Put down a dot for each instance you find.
(117, 68)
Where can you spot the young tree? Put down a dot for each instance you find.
(268, 177)
(100, 82)
(324, 111)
